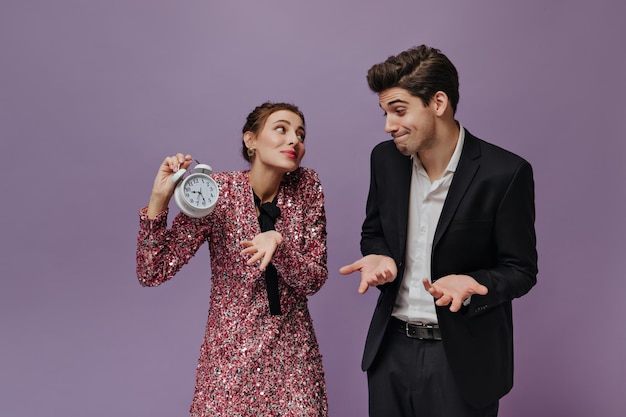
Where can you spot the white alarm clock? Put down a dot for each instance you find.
(196, 195)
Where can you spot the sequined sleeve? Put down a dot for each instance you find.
(161, 252)
(301, 259)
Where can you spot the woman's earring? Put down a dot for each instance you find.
(250, 152)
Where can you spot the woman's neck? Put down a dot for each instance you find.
(265, 184)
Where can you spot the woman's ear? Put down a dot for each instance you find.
(249, 139)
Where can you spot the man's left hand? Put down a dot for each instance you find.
(453, 290)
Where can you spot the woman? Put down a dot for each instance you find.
(267, 243)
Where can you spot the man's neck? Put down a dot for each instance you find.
(436, 159)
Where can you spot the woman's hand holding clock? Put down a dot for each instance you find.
(163, 187)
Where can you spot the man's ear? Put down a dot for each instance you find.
(441, 102)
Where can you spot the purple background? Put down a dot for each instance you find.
(93, 95)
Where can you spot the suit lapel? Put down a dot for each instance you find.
(469, 163)
(403, 190)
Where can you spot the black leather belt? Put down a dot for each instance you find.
(416, 330)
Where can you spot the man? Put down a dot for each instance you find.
(449, 241)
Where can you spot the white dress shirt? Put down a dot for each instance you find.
(414, 303)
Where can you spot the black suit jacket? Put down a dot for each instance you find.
(486, 230)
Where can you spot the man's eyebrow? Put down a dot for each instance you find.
(396, 101)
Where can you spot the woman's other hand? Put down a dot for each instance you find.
(262, 247)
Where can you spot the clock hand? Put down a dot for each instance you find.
(200, 193)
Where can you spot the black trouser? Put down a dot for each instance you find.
(412, 378)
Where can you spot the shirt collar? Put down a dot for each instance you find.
(456, 155)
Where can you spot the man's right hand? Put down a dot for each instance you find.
(375, 270)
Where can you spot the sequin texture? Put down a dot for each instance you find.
(251, 363)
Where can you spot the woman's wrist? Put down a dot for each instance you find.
(156, 205)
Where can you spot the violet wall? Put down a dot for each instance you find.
(93, 95)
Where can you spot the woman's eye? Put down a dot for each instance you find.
(280, 129)
(301, 137)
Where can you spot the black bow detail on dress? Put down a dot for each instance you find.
(268, 213)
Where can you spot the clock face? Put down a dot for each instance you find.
(199, 191)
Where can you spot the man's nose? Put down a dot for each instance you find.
(390, 125)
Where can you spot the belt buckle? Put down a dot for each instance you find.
(418, 330)
(421, 331)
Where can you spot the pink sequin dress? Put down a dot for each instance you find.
(251, 363)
